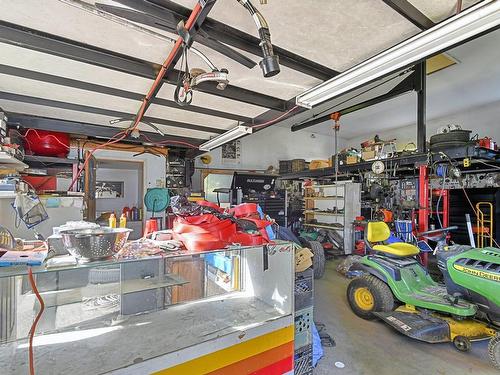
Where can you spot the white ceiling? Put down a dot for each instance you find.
(473, 82)
(335, 33)
(440, 9)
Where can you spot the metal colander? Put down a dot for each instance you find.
(95, 243)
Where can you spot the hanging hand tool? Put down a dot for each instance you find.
(183, 94)
(270, 63)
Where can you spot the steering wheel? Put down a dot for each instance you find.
(438, 236)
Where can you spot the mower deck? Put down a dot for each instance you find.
(434, 328)
(419, 326)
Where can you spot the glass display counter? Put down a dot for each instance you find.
(142, 316)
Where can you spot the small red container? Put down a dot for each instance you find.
(46, 143)
(42, 183)
(487, 142)
(151, 226)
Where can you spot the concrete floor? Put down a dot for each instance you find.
(372, 347)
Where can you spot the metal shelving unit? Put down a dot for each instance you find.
(408, 162)
(49, 161)
(324, 226)
(325, 213)
(335, 213)
(7, 161)
(320, 198)
(402, 161)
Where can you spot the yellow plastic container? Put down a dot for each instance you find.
(123, 221)
(112, 221)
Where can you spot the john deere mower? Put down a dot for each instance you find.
(393, 286)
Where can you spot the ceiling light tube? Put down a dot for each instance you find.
(471, 22)
(226, 137)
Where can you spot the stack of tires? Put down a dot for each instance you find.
(454, 138)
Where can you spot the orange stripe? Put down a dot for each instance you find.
(257, 362)
(232, 354)
(280, 367)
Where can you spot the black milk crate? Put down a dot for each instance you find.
(303, 361)
(304, 289)
(299, 165)
(303, 327)
(285, 166)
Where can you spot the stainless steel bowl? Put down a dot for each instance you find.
(96, 243)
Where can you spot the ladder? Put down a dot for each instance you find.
(484, 212)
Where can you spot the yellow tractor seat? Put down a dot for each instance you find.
(399, 249)
(378, 232)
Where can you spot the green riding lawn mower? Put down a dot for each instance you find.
(325, 244)
(391, 285)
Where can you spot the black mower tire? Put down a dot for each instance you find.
(382, 296)
(462, 136)
(494, 351)
(318, 258)
(444, 145)
(462, 344)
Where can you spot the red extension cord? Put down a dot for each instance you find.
(35, 322)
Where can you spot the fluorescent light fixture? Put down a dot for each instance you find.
(471, 22)
(226, 137)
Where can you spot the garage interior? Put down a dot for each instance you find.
(249, 187)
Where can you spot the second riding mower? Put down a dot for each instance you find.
(393, 286)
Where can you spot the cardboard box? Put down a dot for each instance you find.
(368, 155)
(318, 164)
(352, 160)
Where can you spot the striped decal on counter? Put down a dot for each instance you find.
(277, 368)
(269, 354)
(257, 362)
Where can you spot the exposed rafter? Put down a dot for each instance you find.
(48, 43)
(412, 14)
(241, 40)
(74, 83)
(165, 22)
(103, 112)
(87, 129)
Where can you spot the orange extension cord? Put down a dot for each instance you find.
(35, 322)
(123, 134)
(189, 24)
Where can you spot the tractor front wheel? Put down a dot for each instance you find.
(368, 294)
(494, 351)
